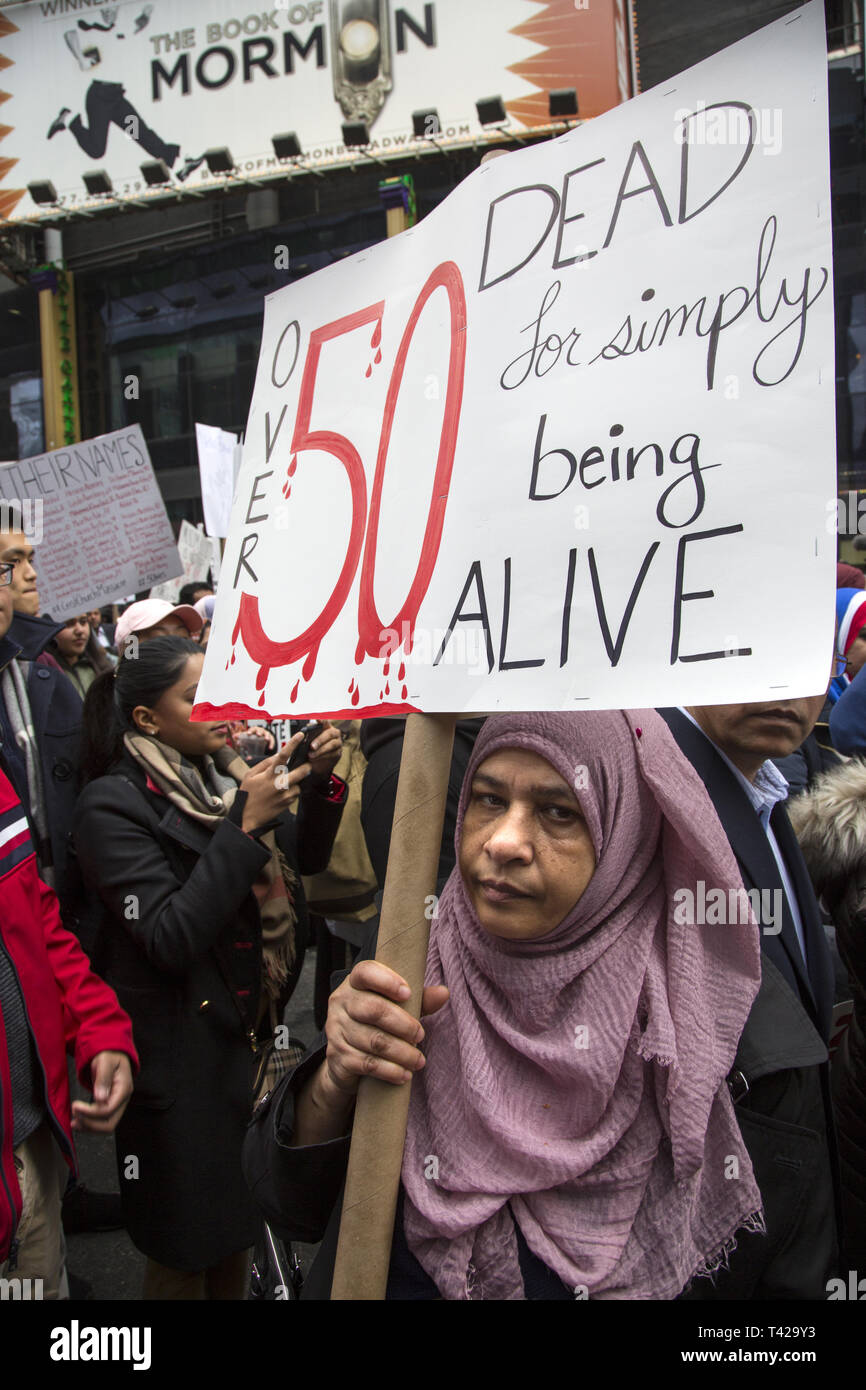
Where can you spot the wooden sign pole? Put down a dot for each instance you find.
(381, 1111)
(379, 1129)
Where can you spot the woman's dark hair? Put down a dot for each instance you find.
(141, 677)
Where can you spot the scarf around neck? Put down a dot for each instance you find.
(576, 1083)
(208, 799)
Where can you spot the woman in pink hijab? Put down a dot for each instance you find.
(570, 1128)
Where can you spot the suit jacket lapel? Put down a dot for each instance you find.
(749, 842)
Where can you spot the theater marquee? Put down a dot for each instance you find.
(87, 84)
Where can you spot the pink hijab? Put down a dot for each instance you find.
(622, 1160)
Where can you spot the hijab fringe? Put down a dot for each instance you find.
(714, 1264)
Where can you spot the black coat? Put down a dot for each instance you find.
(180, 942)
(831, 826)
(786, 1115)
(56, 712)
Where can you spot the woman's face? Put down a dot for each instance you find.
(73, 637)
(525, 853)
(168, 720)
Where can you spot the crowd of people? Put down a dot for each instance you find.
(640, 1071)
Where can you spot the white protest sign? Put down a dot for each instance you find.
(105, 530)
(557, 446)
(195, 550)
(217, 451)
(215, 562)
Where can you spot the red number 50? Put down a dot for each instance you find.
(262, 648)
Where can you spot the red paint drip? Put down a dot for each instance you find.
(380, 695)
(387, 688)
(378, 358)
(377, 334)
(233, 659)
(309, 665)
(386, 668)
(262, 677)
(294, 695)
(237, 629)
(368, 371)
(401, 674)
(404, 692)
(262, 698)
(227, 666)
(351, 685)
(356, 695)
(359, 654)
(288, 493)
(293, 465)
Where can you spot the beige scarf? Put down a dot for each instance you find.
(208, 799)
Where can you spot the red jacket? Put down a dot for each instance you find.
(67, 1005)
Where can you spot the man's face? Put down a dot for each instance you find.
(94, 617)
(856, 658)
(166, 627)
(5, 608)
(15, 547)
(749, 734)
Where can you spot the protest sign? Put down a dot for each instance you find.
(105, 532)
(196, 553)
(217, 455)
(555, 446)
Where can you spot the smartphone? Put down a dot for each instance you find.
(302, 752)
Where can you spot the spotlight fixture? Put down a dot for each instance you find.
(491, 111)
(562, 101)
(97, 182)
(219, 160)
(286, 146)
(426, 124)
(155, 172)
(42, 191)
(355, 134)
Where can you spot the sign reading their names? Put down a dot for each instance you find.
(105, 530)
(554, 447)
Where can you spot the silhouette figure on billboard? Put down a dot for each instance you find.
(105, 103)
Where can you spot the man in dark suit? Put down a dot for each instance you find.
(780, 1078)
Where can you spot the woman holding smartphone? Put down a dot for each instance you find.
(194, 860)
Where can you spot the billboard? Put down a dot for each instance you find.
(88, 84)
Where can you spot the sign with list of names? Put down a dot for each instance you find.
(103, 530)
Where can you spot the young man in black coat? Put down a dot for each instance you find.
(780, 1078)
